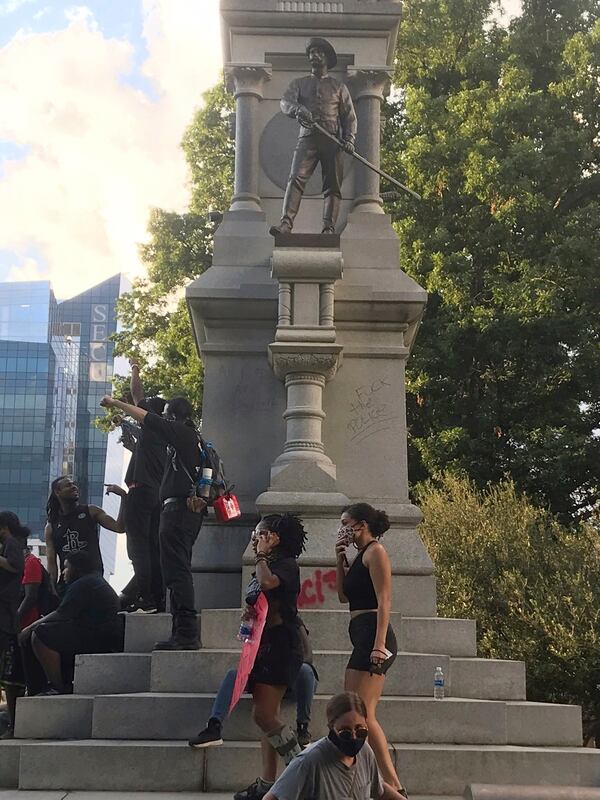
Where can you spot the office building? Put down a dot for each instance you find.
(56, 362)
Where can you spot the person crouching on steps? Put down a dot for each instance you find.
(341, 765)
(278, 541)
(366, 585)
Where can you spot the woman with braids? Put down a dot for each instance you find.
(341, 765)
(277, 541)
(366, 586)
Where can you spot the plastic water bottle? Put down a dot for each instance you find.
(206, 483)
(246, 629)
(438, 684)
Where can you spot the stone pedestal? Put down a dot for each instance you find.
(303, 363)
(305, 357)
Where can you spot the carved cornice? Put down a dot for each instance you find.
(323, 364)
(247, 79)
(369, 82)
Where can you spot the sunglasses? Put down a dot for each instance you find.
(347, 734)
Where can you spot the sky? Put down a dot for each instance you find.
(95, 99)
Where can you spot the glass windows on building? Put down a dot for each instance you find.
(56, 362)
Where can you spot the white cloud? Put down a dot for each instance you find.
(100, 152)
(10, 6)
(81, 14)
(28, 270)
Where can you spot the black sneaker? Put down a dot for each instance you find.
(303, 734)
(126, 602)
(178, 643)
(9, 733)
(211, 735)
(144, 606)
(256, 791)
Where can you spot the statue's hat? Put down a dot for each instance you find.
(327, 48)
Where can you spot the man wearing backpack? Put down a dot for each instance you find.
(179, 526)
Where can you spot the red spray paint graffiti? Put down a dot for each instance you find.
(313, 587)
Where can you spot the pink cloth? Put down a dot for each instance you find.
(250, 650)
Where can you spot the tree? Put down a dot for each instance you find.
(156, 328)
(531, 583)
(500, 132)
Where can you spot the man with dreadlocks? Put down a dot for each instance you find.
(72, 527)
(277, 540)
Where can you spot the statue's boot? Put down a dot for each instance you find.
(291, 204)
(331, 209)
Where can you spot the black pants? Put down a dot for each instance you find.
(179, 529)
(142, 517)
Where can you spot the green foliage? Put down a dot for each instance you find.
(499, 130)
(532, 584)
(156, 328)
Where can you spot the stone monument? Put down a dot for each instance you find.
(304, 343)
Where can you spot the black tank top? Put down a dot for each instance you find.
(358, 586)
(74, 533)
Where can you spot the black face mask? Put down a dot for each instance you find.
(349, 747)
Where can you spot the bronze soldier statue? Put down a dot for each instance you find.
(320, 98)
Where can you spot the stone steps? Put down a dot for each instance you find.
(202, 671)
(426, 769)
(161, 716)
(329, 631)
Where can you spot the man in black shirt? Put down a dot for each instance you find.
(86, 621)
(179, 527)
(73, 527)
(145, 591)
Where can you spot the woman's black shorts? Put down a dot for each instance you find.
(363, 630)
(279, 657)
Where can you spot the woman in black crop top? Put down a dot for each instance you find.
(366, 586)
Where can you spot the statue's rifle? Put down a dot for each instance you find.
(364, 161)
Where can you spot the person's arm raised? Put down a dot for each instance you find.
(136, 385)
(341, 567)
(138, 414)
(100, 516)
(264, 576)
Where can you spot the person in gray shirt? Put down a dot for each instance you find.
(341, 766)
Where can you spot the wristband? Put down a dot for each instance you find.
(260, 557)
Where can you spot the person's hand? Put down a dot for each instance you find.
(265, 544)
(340, 546)
(112, 488)
(348, 148)
(305, 117)
(378, 657)
(108, 402)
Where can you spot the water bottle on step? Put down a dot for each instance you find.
(438, 684)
